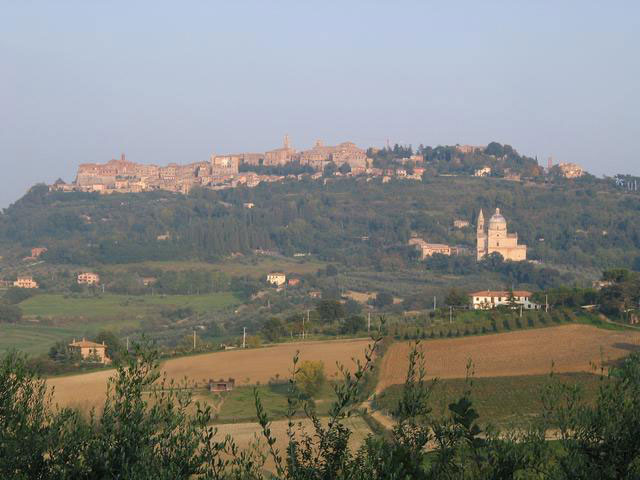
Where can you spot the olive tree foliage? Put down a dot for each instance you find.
(150, 428)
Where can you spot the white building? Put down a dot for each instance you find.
(276, 278)
(482, 172)
(488, 299)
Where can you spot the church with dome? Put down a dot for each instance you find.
(497, 239)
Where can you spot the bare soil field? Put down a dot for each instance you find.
(571, 348)
(246, 366)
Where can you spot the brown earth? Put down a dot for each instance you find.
(246, 366)
(571, 348)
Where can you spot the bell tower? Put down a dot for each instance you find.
(481, 237)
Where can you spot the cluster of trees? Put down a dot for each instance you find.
(618, 297)
(329, 316)
(512, 272)
(10, 311)
(149, 430)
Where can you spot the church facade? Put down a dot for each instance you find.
(496, 238)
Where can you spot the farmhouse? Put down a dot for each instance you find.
(37, 251)
(25, 282)
(222, 385)
(276, 278)
(88, 278)
(148, 281)
(91, 350)
(488, 299)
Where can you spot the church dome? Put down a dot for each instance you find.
(497, 220)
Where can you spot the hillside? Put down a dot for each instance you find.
(582, 223)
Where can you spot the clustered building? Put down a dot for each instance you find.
(221, 171)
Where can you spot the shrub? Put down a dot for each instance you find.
(310, 377)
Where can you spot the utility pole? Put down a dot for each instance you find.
(520, 311)
(127, 344)
(194, 339)
(434, 303)
(303, 332)
(546, 303)
(368, 322)
(450, 314)
(244, 337)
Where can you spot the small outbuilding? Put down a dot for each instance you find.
(222, 385)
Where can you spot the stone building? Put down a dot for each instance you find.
(25, 282)
(222, 385)
(347, 152)
(224, 165)
(570, 170)
(497, 239)
(280, 156)
(88, 278)
(91, 351)
(428, 249)
(277, 278)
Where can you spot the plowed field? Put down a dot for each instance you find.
(571, 348)
(246, 366)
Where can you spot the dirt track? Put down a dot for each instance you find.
(571, 348)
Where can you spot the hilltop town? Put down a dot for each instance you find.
(221, 171)
(250, 169)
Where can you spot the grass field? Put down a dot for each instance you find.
(108, 305)
(239, 404)
(34, 338)
(248, 367)
(503, 401)
(251, 267)
(52, 317)
(571, 348)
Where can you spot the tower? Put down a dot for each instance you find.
(481, 237)
(286, 142)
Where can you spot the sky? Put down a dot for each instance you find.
(84, 81)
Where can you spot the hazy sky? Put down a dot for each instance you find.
(83, 81)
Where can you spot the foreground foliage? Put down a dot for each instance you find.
(151, 428)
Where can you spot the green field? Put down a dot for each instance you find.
(502, 401)
(37, 339)
(110, 306)
(239, 404)
(54, 317)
